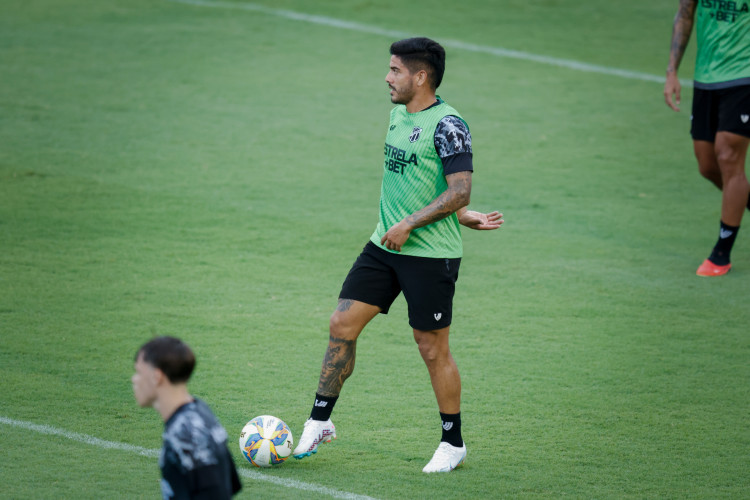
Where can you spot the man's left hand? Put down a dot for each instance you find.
(480, 221)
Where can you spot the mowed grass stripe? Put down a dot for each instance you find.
(148, 452)
(455, 44)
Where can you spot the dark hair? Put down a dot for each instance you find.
(422, 53)
(170, 355)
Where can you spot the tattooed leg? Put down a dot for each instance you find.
(344, 305)
(347, 323)
(338, 364)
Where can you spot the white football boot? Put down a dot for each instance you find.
(315, 432)
(446, 458)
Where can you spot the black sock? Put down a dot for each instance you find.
(720, 253)
(452, 429)
(323, 407)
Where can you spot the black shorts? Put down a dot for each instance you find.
(378, 277)
(720, 110)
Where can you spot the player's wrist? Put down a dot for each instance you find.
(409, 223)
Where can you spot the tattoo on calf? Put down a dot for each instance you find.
(338, 364)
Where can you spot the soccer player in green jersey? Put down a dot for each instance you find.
(720, 121)
(415, 249)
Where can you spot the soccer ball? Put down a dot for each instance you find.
(266, 441)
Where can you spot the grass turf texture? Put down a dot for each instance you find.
(212, 173)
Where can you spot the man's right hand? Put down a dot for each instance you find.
(672, 90)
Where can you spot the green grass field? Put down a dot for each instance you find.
(212, 171)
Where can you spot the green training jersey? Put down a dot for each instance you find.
(723, 30)
(412, 178)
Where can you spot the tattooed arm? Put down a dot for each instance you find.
(681, 29)
(451, 200)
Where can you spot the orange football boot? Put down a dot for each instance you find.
(708, 268)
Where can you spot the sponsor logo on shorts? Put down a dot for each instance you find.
(744, 118)
(438, 316)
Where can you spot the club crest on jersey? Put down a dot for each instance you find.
(414, 137)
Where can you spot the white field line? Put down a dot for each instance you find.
(113, 445)
(456, 44)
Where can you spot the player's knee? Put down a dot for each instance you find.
(730, 160)
(431, 347)
(428, 352)
(336, 323)
(340, 327)
(730, 152)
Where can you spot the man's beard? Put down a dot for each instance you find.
(403, 95)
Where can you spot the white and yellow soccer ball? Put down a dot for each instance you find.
(266, 441)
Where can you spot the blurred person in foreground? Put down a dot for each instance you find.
(195, 462)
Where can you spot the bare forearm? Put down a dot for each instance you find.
(453, 199)
(455, 196)
(681, 30)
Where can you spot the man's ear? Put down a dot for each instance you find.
(158, 377)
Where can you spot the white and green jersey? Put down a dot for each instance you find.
(416, 148)
(723, 30)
